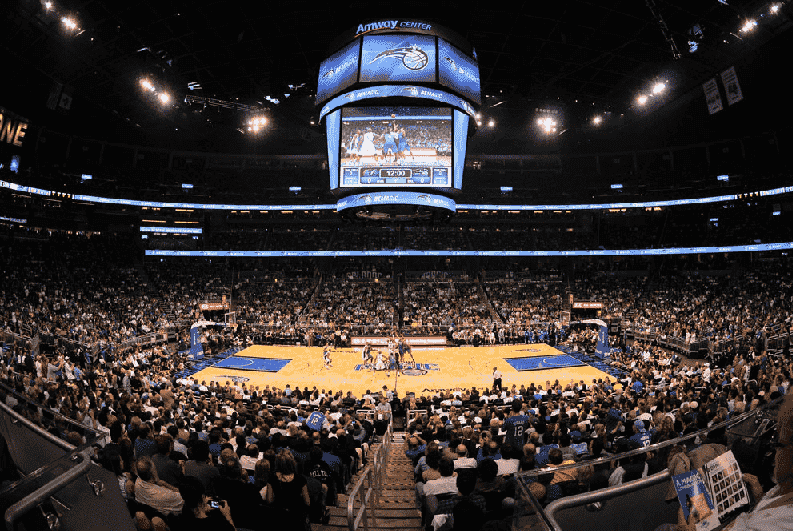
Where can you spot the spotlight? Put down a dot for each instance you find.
(491, 123)
(642, 99)
(597, 119)
(47, 5)
(146, 84)
(69, 23)
(164, 98)
(774, 9)
(748, 26)
(659, 87)
(547, 124)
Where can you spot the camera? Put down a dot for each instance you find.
(215, 504)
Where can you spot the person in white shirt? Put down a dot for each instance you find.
(462, 460)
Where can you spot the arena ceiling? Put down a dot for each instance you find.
(584, 55)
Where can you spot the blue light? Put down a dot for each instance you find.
(714, 219)
(725, 178)
(173, 230)
(401, 252)
(616, 186)
(186, 186)
(462, 206)
(506, 188)
(295, 188)
(86, 177)
(14, 166)
(776, 213)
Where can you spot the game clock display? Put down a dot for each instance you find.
(396, 175)
(396, 146)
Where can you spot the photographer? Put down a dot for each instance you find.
(200, 512)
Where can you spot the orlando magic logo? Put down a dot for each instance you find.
(413, 91)
(413, 57)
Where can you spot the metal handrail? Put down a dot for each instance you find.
(373, 477)
(601, 495)
(37, 497)
(657, 446)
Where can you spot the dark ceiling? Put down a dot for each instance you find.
(598, 53)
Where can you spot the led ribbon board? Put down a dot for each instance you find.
(404, 91)
(274, 208)
(399, 252)
(395, 198)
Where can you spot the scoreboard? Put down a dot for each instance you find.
(397, 98)
(401, 51)
(396, 146)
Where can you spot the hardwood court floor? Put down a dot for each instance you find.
(463, 367)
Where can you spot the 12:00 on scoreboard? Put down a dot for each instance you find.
(395, 176)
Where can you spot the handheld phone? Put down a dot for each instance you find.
(214, 504)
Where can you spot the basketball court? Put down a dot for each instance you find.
(437, 368)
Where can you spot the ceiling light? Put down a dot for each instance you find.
(164, 97)
(774, 9)
(659, 87)
(597, 120)
(145, 83)
(69, 23)
(641, 100)
(748, 26)
(47, 5)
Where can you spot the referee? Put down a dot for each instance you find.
(496, 378)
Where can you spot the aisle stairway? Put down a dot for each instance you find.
(396, 506)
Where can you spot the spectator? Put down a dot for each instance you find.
(163, 499)
(288, 494)
(198, 513)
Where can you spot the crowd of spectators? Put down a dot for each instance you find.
(96, 299)
(468, 444)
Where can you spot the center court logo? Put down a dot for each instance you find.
(413, 57)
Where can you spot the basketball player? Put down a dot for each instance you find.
(380, 364)
(355, 145)
(367, 356)
(402, 145)
(390, 147)
(408, 352)
(367, 145)
(326, 357)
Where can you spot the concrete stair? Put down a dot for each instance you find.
(396, 507)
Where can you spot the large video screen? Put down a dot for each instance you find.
(396, 147)
(458, 71)
(338, 71)
(398, 58)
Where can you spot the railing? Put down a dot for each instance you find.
(647, 493)
(643, 499)
(62, 488)
(367, 488)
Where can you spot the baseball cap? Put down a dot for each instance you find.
(639, 425)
